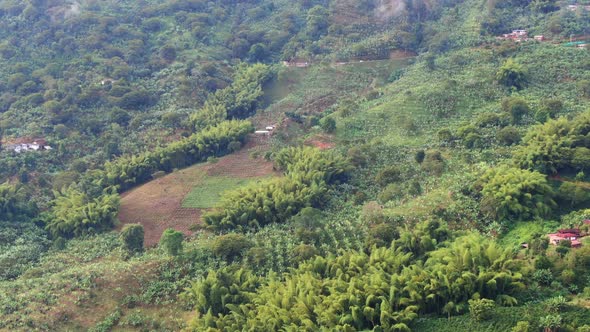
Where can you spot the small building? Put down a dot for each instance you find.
(572, 235)
(515, 35)
(36, 145)
(539, 38)
(262, 132)
(270, 128)
(582, 46)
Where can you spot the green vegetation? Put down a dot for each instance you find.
(210, 191)
(423, 160)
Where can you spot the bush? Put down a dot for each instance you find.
(419, 156)
(508, 136)
(234, 146)
(481, 309)
(516, 107)
(511, 74)
(543, 277)
(522, 326)
(388, 175)
(230, 246)
(171, 241)
(328, 125)
(132, 238)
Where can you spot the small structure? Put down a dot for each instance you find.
(572, 235)
(515, 35)
(298, 63)
(262, 132)
(270, 128)
(582, 46)
(539, 38)
(575, 7)
(36, 145)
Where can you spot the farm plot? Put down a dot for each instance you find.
(163, 203)
(208, 193)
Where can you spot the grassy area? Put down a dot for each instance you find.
(503, 319)
(208, 193)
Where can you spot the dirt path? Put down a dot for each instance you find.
(157, 204)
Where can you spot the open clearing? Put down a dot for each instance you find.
(208, 193)
(158, 204)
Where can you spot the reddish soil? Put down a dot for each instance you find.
(157, 204)
(322, 142)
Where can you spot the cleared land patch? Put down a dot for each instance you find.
(158, 204)
(208, 193)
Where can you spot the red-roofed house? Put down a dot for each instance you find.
(572, 234)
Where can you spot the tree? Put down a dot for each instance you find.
(132, 238)
(509, 192)
(508, 135)
(74, 213)
(511, 74)
(388, 175)
(230, 246)
(171, 241)
(481, 309)
(328, 125)
(550, 323)
(517, 108)
(317, 22)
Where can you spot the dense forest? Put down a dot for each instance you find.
(333, 165)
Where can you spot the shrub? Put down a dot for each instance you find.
(516, 107)
(550, 322)
(543, 277)
(230, 246)
(555, 304)
(419, 156)
(522, 326)
(171, 241)
(511, 74)
(132, 238)
(433, 162)
(481, 309)
(234, 146)
(303, 252)
(508, 136)
(328, 125)
(445, 135)
(388, 175)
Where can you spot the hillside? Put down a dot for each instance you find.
(294, 165)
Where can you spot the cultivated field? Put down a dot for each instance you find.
(163, 203)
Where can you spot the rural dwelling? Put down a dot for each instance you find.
(539, 38)
(36, 145)
(515, 35)
(572, 234)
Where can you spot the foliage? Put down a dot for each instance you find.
(555, 145)
(509, 192)
(171, 241)
(15, 203)
(512, 74)
(132, 238)
(230, 246)
(308, 172)
(481, 309)
(74, 213)
(385, 288)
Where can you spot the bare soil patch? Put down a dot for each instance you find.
(157, 205)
